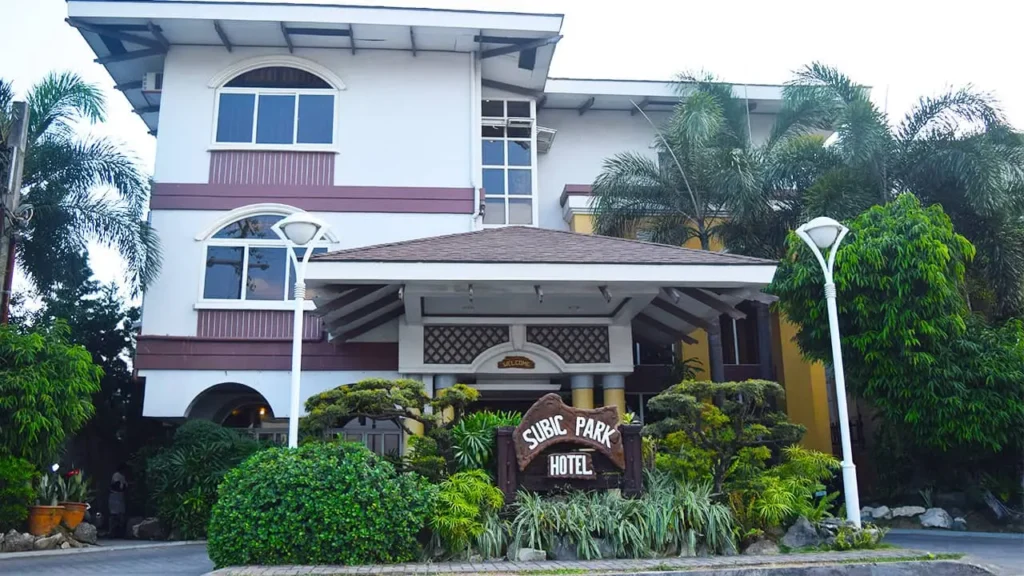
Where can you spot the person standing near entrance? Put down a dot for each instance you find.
(116, 503)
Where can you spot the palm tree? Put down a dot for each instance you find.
(79, 188)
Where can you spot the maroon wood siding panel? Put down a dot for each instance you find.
(255, 325)
(171, 353)
(260, 168)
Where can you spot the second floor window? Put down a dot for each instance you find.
(508, 156)
(276, 106)
(246, 260)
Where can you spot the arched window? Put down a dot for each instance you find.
(245, 260)
(276, 106)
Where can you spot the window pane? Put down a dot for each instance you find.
(519, 132)
(266, 274)
(493, 153)
(277, 77)
(519, 153)
(494, 108)
(518, 109)
(492, 132)
(223, 273)
(494, 211)
(316, 119)
(494, 181)
(520, 182)
(251, 227)
(276, 120)
(299, 253)
(520, 211)
(234, 117)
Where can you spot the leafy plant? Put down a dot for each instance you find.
(16, 491)
(464, 501)
(322, 503)
(850, 538)
(183, 478)
(46, 388)
(493, 541)
(73, 487)
(47, 490)
(474, 437)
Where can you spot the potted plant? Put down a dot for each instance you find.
(46, 514)
(74, 494)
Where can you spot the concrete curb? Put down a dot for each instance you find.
(958, 534)
(96, 548)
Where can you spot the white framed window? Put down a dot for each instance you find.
(245, 261)
(509, 160)
(275, 107)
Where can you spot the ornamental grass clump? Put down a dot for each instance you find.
(318, 504)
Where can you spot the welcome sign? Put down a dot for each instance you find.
(550, 422)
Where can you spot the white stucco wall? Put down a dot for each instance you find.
(168, 308)
(402, 121)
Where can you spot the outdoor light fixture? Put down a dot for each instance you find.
(300, 229)
(820, 234)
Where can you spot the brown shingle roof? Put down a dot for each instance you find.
(528, 245)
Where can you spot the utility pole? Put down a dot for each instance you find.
(17, 142)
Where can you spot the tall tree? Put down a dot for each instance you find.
(80, 188)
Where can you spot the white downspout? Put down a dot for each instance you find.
(474, 139)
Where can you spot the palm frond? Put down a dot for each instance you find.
(837, 84)
(947, 111)
(59, 99)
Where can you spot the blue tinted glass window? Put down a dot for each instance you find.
(266, 274)
(316, 119)
(251, 227)
(223, 273)
(494, 153)
(520, 182)
(519, 153)
(494, 181)
(234, 117)
(275, 122)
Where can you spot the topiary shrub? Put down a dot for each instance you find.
(16, 493)
(318, 504)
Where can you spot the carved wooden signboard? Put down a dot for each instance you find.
(557, 446)
(550, 421)
(521, 362)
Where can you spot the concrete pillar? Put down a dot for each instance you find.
(614, 388)
(764, 342)
(442, 381)
(415, 426)
(582, 391)
(715, 355)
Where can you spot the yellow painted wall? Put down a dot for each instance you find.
(806, 392)
(416, 427)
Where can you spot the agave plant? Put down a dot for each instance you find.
(473, 437)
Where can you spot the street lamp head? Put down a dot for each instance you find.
(300, 227)
(823, 231)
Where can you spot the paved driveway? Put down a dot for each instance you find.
(1005, 552)
(187, 560)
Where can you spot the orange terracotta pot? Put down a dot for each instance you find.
(73, 514)
(43, 519)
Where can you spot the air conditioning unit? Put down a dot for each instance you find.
(153, 82)
(545, 138)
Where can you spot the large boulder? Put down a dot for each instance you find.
(527, 555)
(761, 548)
(86, 533)
(49, 542)
(801, 534)
(907, 511)
(15, 541)
(936, 518)
(149, 529)
(564, 550)
(867, 513)
(881, 513)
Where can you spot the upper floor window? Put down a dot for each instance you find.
(246, 260)
(508, 153)
(276, 106)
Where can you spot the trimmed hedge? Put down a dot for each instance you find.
(318, 504)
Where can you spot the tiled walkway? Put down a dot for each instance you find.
(563, 568)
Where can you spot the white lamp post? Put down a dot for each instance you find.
(302, 229)
(819, 234)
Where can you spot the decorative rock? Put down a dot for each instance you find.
(605, 547)
(563, 550)
(867, 513)
(761, 548)
(64, 545)
(17, 542)
(529, 555)
(801, 534)
(881, 513)
(86, 533)
(960, 524)
(148, 529)
(907, 511)
(936, 518)
(476, 559)
(49, 542)
(130, 525)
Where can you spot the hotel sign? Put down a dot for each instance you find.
(578, 465)
(521, 362)
(550, 422)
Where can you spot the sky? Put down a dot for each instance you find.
(903, 49)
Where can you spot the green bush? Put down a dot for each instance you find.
(464, 503)
(318, 504)
(16, 493)
(473, 438)
(183, 477)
